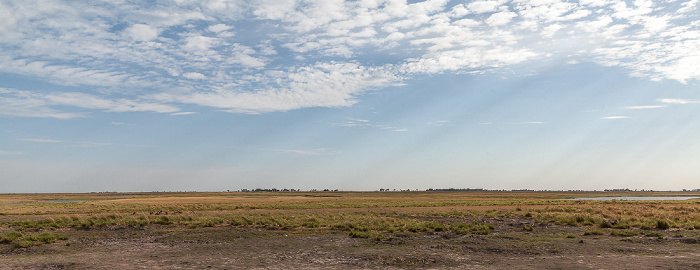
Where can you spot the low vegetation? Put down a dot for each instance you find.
(24, 241)
(29, 219)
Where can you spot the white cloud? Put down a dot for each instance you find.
(199, 43)
(550, 30)
(31, 104)
(595, 25)
(689, 6)
(634, 14)
(501, 18)
(219, 28)
(183, 113)
(364, 123)
(25, 104)
(441, 123)
(484, 6)
(164, 17)
(194, 76)
(547, 11)
(468, 58)
(88, 101)
(578, 14)
(596, 3)
(119, 58)
(141, 32)
(683, 68)
(359, 120)
(459, 11)
(677, 101)
(322, 85)
(615, 117)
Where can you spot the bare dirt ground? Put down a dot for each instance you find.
(547, 246)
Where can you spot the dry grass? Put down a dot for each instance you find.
(362, 214)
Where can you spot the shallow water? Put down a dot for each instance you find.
(677, 198)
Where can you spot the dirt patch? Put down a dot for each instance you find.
(546, 246)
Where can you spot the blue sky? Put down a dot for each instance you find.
(359, 95)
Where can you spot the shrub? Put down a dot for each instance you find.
(436, 226)
(662, 224)
(164, 220)
(459, 228)
(528, 228)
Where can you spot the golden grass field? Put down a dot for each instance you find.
(511, 223)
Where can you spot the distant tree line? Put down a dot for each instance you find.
(456, 189)
(269, 190)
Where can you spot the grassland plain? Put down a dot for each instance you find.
(341, 230)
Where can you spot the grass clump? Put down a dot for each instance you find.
(10, 237)
(655, 234)
(662, 225)
(18, 241)
(24, 243)
(605, 224)
(50, 237)
(528, 228)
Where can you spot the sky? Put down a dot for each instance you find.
(214, 95)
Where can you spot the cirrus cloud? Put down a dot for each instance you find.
(266, 56)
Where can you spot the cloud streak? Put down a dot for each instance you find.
(10, 153)
(40, 140)
(615, 117)
(645, 107)
(364, 123)
(677, 101)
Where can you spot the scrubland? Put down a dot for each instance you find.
(486, 229)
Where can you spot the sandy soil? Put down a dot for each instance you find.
(548, 246)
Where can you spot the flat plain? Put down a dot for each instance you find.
(349, 230)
